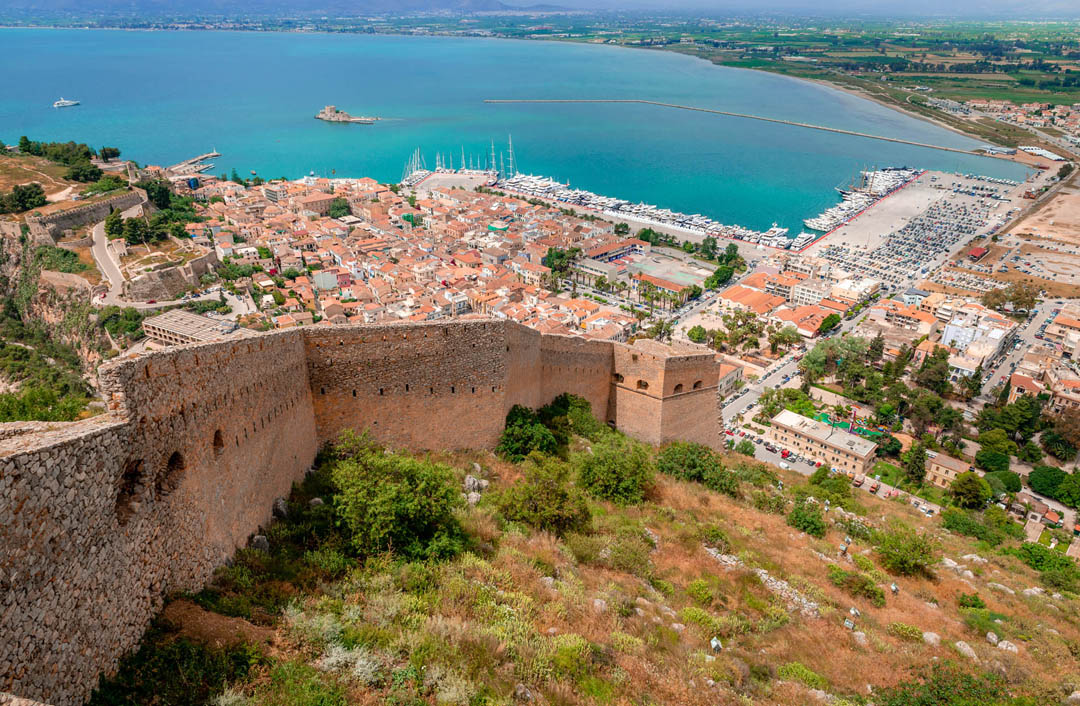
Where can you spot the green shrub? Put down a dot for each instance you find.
(574, 415)
(687, 460)
(772, 503)
(945, 683)
(626, 643)
(172, 671)
(699, 590)
(756, 474)
(856, 584)
(389, 502)
(906, 551)
(328, 560)
(524, 434)
(970, 600)
(796, 671)
(618, 469)
(545, 499)
(692, 615)
(807, 517)
(296, 684)
(715, 537)
(1009, 480)
(904, 631)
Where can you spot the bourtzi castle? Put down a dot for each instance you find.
(103, 518)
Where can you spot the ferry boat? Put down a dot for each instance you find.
(64, 103)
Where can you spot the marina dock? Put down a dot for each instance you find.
(730, 114)
(195, 165)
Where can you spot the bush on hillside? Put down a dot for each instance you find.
(807, 517)
(945, 683)
(578, 414)
(388, 502)
(906, 551)
(992, 526)
(524, 434)
(687, 460)
(546, 499)
(856, 584)
(619, 469)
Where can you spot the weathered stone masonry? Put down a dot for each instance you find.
(103, 518)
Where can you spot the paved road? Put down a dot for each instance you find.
(107, 263)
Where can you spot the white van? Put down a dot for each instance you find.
(785, 466)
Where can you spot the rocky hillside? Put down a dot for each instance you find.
(606, 572)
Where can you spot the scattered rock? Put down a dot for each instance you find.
(678, 627)
(643, 602)
(1008, 646)
(966, 650)
(474, 484)
(666, 610)
(260, 543)
(640, 612)
(948, 563)
(522, 693)
(599, 605)
(931, 638)
(476, 467)
(789, 594)
(999, 587)
(1033, 591)
(1056, 596)
(315, 502)
(820, 695)
(860, 638)
(710, 683)
(472, 498)
(281, 508)
(653, 537)
(967, 574)
(973, 558)
(715, 644)
(553, 631)
(992, 637)
(548, 582)
(1073, 698)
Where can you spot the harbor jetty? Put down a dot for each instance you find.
(738, 115)
(332, 114)
(195, 165)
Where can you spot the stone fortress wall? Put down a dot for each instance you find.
(47, 229)
(104, 517)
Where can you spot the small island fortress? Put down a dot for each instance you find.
(331, 114)
(103, 517)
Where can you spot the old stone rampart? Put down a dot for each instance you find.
(47, 229)
(105, 517)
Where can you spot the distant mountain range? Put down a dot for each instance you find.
(168, 8)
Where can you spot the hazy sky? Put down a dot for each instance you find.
(987, 9)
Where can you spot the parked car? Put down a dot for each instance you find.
(859, 480)
(875, 487)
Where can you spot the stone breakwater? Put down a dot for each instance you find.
(103, 518)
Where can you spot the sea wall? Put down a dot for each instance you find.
(105, 517)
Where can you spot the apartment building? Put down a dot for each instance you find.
(836, 448)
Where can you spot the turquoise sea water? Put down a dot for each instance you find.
(166, 96)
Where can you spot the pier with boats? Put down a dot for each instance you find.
(873, 186)
(195, 165)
